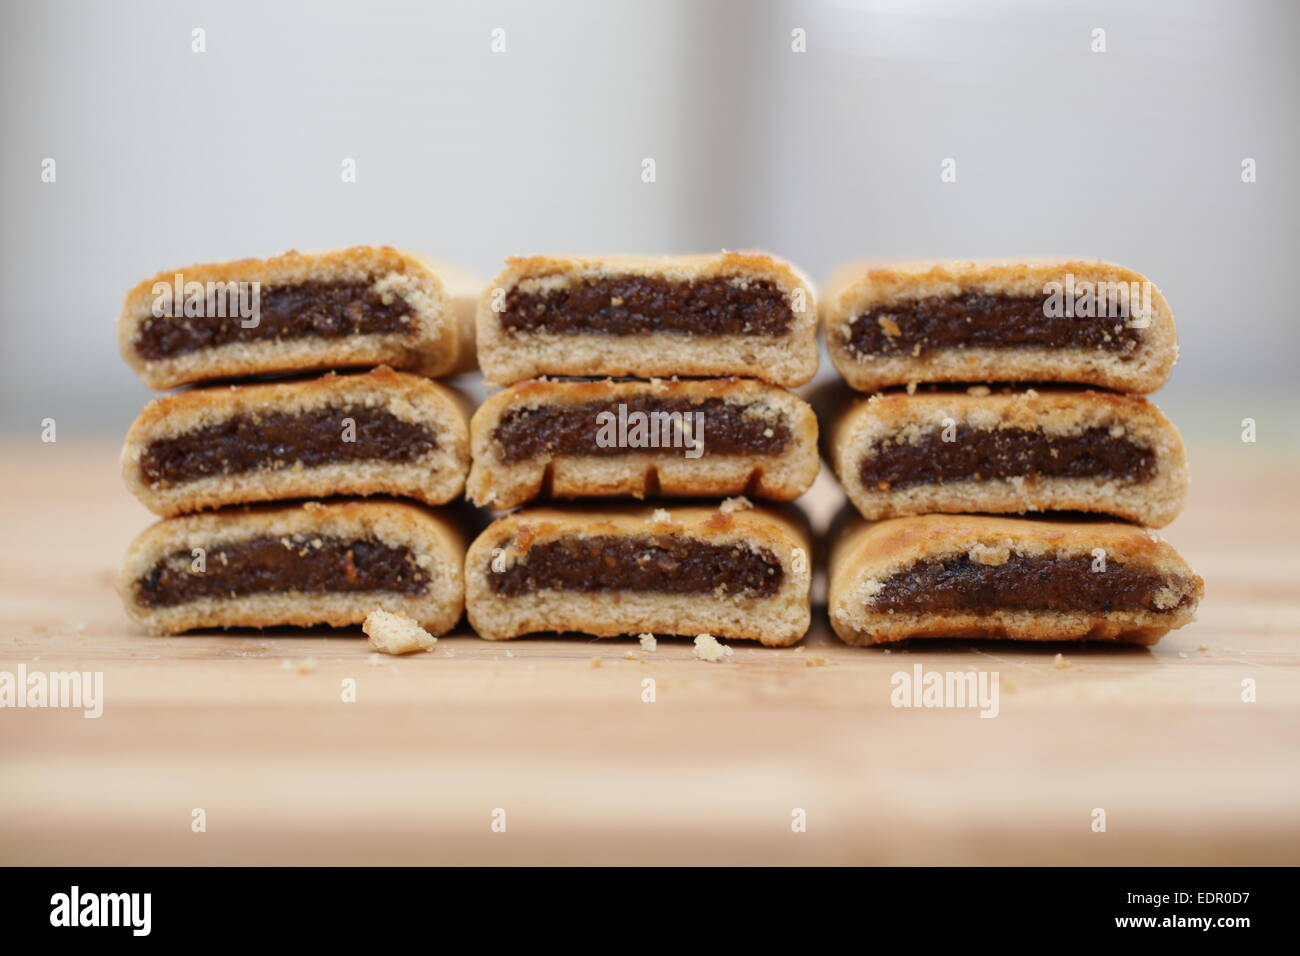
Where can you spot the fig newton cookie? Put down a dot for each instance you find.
(358, 307)
(698, 437)
(380, 432)
(729, 313)
(1009, 452)
(300, 564)
(729, 571)
(990, 577)
(1032, 320)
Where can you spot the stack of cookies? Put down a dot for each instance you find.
(648, 378)
(260, 480)
(943, 448)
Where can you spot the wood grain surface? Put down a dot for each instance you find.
(251, 727)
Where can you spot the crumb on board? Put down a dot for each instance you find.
(630, 656)
(391, 633)
(648, 642)
(817, 661)
(304, 666)
(1060, 663)
(707, 648)
(596, 662)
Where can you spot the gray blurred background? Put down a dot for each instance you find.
(167, 157)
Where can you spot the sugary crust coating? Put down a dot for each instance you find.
(434, 479)
(435, 539)
(867, 422)
(441, 341)
(779, 620)
(496, 483)
(789, 359)
(863, 286)
(865, 554)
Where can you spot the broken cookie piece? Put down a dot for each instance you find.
(614, 570)
(363, 306)
(396, 633)
(298, 565)
(381, 432)
(729, 313)
(990, 577)
(708, 649)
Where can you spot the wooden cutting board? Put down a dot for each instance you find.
(553, 737)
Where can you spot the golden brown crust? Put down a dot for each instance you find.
(440, 342)
(434, 537)
(497, 483)
(435, 478)
(789, 359)
(865, 554)
(779, 620)
(869, 422)
(862, 286)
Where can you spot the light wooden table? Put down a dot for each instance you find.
(252, 728)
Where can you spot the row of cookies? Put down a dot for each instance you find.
(613, 570)
(650, 378)
(948, 430)
(260, 435)
(246, 448)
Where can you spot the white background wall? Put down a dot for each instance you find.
(167, 157)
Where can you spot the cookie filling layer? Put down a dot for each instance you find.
(988, 454)
(657, 562)
(274, 440)
(659, 423)
(636, 305)
(305, 563)
(1029, 583)
(978, 320)
(328, 310)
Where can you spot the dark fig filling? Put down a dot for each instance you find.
(327, 310)
(573, 429)
(634, 305)
(988, 454)
(1029, 583)
(978, 320)
(652, 562)
(304, 563)
(273, 440)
